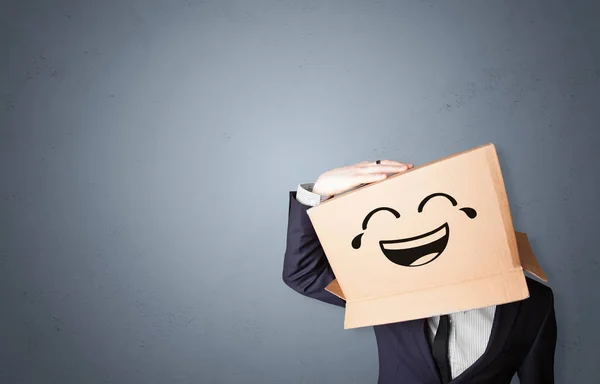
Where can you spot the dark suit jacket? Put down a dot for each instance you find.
(522, 340)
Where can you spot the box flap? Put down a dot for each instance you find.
(334, 288)
(492, 290)
(528, 260)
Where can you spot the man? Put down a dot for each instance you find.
(486, 345)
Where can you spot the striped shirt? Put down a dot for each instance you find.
(469, 330)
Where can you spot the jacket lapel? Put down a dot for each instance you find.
(420, 332)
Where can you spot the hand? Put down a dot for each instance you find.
(342, 179)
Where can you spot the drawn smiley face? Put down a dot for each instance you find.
(418, 250)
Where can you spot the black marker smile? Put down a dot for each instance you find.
(418, 250)
(412, 252)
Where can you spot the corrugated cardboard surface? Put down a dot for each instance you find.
(527, 257)
(479, 266)
(410, 309)
(499, 289)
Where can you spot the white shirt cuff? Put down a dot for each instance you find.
(306, 196)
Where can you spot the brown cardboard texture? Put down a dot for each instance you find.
(436, 239)
(528, 261)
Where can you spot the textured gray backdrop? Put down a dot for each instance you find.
(147, 149)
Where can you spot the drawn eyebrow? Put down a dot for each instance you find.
(366, 220)
(425, 200)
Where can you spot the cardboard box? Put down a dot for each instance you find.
(436, 239)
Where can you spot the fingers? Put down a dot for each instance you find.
(384, 162)
(371, 178)
(383, 169)
(393, 162)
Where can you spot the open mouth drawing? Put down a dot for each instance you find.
(418, 250)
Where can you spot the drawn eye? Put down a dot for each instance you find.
(439, 194)
(470, 212)
(356, 242)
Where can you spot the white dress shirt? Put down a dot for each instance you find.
(469, 330)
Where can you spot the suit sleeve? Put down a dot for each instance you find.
(538, 365)
(305, 266)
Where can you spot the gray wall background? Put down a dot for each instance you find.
(147, 149)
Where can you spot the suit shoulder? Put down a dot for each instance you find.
(539, 293)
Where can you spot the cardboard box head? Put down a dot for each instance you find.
(436, 239)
